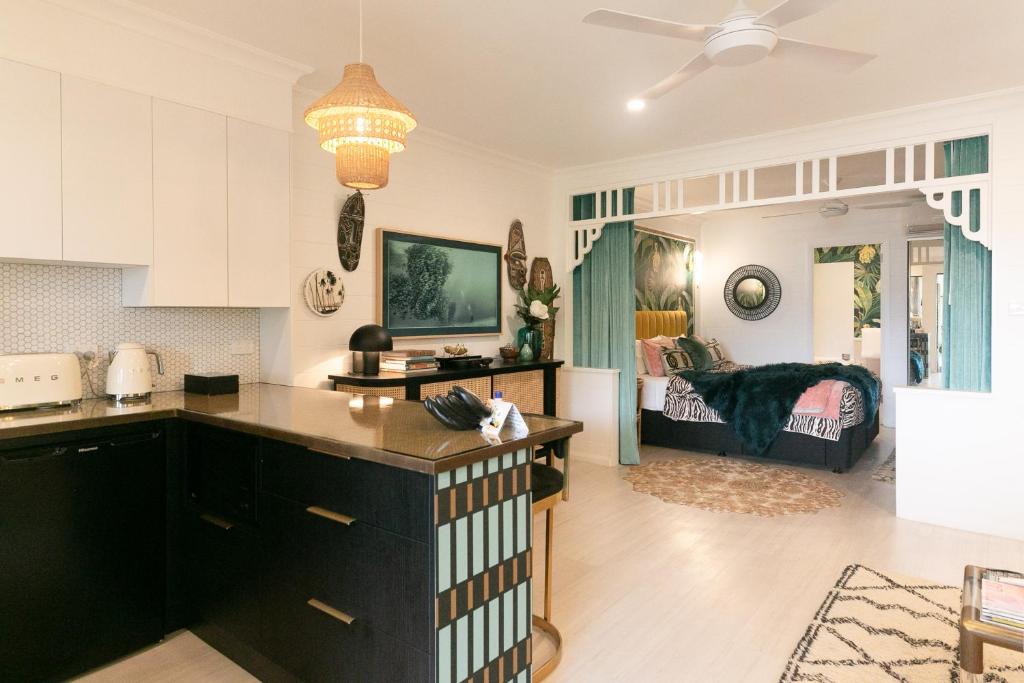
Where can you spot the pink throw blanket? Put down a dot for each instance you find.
(822, 399)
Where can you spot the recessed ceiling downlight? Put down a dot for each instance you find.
(636, 105)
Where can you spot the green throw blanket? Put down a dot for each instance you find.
(758, 401)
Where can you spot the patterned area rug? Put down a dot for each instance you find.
(887, 470)
(728, 485)
(874, 627)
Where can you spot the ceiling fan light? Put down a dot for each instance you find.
(636, 104)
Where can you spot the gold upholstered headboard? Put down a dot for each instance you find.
(653, 323)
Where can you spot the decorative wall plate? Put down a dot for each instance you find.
(516, 255)
(541, 276)
(324, 292)
(752, 292)
(350, 231)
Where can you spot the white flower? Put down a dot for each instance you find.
(538, 309)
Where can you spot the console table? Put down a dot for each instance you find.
(531, 385)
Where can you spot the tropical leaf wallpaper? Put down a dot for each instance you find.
(664, 274)
(867, 280)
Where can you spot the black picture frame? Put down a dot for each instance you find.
(477, 268)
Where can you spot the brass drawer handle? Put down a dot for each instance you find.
(333, 455)
(331, 515)
(217, 521)
(330, 611)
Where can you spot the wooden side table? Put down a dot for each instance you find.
(975, 633)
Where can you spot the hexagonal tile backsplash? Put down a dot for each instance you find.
(75, 309)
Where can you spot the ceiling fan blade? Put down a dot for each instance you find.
(795, 213)
(789, 11)
(659, 27)
(695, 66)
(890, 205)
(823, 55)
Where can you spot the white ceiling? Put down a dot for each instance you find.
(529, 79)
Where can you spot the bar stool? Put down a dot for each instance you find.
(546, 484)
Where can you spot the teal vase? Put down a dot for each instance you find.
(529, 340)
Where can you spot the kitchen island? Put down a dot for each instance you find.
(310, 535)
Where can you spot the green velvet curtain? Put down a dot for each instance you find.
(967, 321)
(603, 321)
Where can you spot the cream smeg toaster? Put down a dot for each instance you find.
(33, 380)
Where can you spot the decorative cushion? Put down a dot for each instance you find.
(714, 348)
(652, 354)
(674, 360)
(699, 356)
(641, 362)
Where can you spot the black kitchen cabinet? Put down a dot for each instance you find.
(82, 551)
(221, 567)
(221, 540)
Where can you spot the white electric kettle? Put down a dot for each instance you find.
(129, 377)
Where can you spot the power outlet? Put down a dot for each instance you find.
(242, 348)
(1017, 308)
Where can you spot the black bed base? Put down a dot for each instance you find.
(838, 456)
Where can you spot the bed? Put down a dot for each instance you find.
(689, 424)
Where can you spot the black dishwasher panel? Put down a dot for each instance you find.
(82, 548)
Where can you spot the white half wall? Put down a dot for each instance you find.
(591, 395)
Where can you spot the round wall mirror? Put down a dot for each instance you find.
(752, 292)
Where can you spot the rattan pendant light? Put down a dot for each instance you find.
(361, 124)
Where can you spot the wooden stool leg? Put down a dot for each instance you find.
(549, 544)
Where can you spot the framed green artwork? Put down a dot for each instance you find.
(435, 287)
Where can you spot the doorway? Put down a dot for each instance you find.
(926, 306)
(847, 298)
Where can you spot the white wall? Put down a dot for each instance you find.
(960, 457)
(438, 186)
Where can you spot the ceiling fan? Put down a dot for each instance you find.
(742, 38)
(837, 207)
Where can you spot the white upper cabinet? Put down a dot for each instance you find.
(258, 215)
(107, 171)
(190, 228)
(30, 221)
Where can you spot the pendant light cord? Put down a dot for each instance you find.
(360, 31)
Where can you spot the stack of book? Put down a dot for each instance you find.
(1002, 599)
(408, 361)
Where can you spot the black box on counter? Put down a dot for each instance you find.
(211, 384)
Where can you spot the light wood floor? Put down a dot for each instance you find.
(651, 591)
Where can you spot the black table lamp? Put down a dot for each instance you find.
(366, 343)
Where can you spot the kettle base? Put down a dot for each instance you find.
(129, 398)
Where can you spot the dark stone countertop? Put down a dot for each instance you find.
(389, 431)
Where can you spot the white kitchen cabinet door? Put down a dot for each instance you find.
(258, 215)
(190, 210)
(107, 171)
(30, 222)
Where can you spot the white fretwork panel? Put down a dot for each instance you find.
(911, 164)
(941, 198)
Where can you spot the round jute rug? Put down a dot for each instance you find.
(727, 485)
